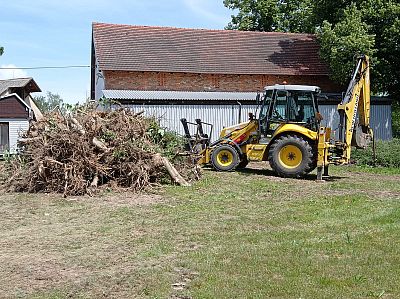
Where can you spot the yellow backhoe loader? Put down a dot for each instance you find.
(288, 131)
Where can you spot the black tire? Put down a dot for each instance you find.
(225, 158)
(243, 163)
(291, 156)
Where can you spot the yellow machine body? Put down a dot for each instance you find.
(294, 147)
(249, 130)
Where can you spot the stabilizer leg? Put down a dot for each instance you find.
(319, 173)
(326, 171)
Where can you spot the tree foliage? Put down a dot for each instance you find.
(1, 51)
(271, 15)
(342, 42)
(49, 102)
(344, 28)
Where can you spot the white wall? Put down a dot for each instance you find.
(16, 128)
(227, 115)
(99, 82)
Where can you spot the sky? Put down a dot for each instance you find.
(42, 33)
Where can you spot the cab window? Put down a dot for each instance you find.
(266, 104)
(300, 106)
(279, 108)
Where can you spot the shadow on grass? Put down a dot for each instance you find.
(269, 172)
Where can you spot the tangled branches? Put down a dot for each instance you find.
(76, 155)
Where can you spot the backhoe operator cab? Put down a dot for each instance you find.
(281, 104)
(287, 132)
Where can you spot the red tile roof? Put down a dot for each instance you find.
(165, 49)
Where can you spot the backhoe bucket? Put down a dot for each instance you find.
(362, 137)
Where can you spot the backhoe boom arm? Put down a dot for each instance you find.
(355, 130)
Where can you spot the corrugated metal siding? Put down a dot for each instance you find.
(170, 115)
(16, 128)
(381, 119)
(227, 115)
(178, 95)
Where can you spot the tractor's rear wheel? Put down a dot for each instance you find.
(291, 156)
(225, 158)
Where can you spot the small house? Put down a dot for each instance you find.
(17, 110)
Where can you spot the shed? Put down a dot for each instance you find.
(224, 109)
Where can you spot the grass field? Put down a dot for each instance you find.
(232, 235)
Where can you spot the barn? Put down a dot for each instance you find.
(175, 73)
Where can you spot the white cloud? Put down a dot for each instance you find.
(10, 71)
(201, 8)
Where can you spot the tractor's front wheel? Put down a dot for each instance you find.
(291, 156)
(225, 158)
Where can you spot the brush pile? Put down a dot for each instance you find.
(77, 154)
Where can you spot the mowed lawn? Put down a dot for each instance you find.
(232, 235)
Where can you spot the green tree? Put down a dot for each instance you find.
(271, 15)
(49, 102)
(342, 42)
(344, 28)
(1, 51)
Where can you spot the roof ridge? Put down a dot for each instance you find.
(23, 78)
(183, 50)
(203, 29)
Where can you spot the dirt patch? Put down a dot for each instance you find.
(25, 274)
(82, 244)
(120, 199)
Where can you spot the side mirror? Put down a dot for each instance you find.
(251, 116)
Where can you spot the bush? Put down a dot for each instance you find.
(387, 154)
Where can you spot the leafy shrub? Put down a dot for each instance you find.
(387, 154)
(169, 142)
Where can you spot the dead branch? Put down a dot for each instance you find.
(176, 177)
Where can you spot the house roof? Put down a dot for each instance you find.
(178, 95)
(28, 83)
(165, 49)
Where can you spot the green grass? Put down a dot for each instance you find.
(232, 235)
(387, 154)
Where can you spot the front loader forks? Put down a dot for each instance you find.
(199, 141)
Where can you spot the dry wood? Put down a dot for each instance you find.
(80, 153)
(96, 142)
(177, 178)
(28, 140)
